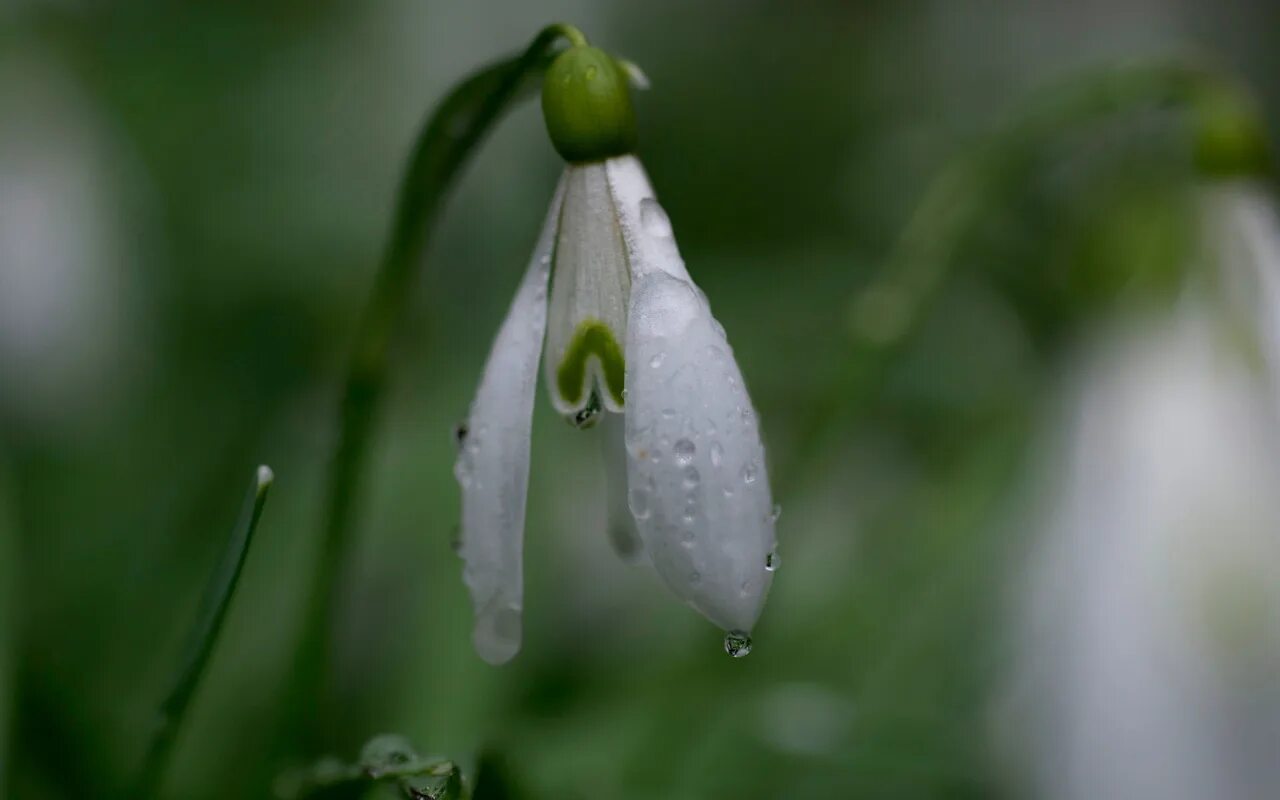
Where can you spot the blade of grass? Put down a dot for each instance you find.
(203, 637)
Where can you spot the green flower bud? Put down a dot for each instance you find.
(587, 106)
(1229, 140)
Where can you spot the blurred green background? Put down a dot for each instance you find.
(193, 201)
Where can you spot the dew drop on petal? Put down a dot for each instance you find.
(668, 413)
(691, 477)
(737, 644)
(462, 471)
(717, 454)
(776, 513)
(772, 561)
(749, 473)
(657, 360)
(684, 451)
(638, 501)
(654, 219)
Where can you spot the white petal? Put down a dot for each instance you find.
(622, 528)
(590, 283)
(699, 489)
(645, 226)
(493, 462)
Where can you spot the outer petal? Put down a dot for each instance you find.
(699, 489)
(493, 461)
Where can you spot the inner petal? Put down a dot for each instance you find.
(590, 290)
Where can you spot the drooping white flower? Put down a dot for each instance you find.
(626, 331)
(1241, 244)
(1149, 650)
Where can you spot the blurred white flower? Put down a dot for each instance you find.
(1241, 243)
(623, 311)
(65, 298)
(1149, 649)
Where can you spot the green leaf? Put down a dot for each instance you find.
(204, 635)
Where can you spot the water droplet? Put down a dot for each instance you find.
(638, 501)
(691, 477)
(655, 455)
(772, 561)
(749, 473)
(690, 514)
(589, 415)
(460, 434)
(657, 360)
(728, 491)
(776, 513)
(737, 644)
(653, 218)
(717, 454)
(668, 413)
(686, 539)
(462, 471)
(684, 451)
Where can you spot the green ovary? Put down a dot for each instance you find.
(591, 338)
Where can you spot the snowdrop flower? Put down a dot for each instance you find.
(1149, 652)
(622, 330)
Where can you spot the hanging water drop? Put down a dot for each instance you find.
(772, 561)
(737, 644)
(589, 415)
(684, 451)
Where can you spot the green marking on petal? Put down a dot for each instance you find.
(591, 338)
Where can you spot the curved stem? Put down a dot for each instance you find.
(884, 316)
(447, 141)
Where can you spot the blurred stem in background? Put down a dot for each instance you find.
(883, 316)
(449, 138)
(203, 638)
(8, 625)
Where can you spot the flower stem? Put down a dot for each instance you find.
(448, 139)
(204, 634)
(884, 316)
